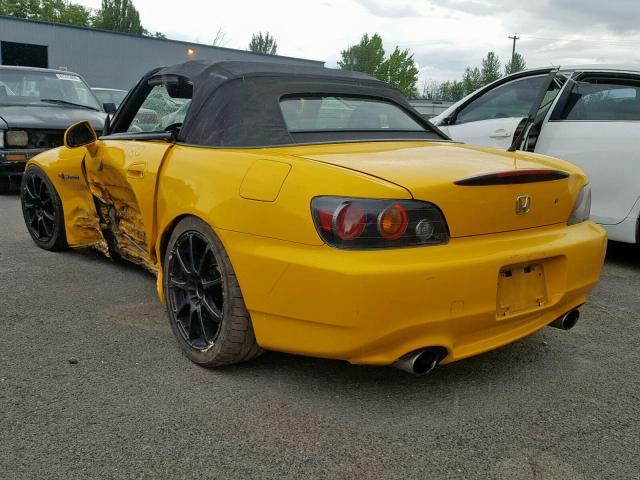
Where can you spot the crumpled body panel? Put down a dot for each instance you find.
(65, 170)
(101, 214)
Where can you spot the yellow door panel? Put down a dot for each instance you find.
(123, 176)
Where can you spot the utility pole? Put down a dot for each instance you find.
(515, 37)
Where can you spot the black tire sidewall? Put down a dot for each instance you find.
(58, 239)
(209, 356)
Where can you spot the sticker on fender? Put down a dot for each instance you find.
(64, 76)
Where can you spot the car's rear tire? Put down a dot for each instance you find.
(42, 210)
(204, 302)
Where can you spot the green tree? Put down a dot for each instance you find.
(263, 44)
(29, 9)
(60, 11)
(471, 80)
(57, 11)
(399, 70)
(119, 16)
(367, 56)
(431, 90)
(490, 70)
(452, 90)
(154, 34)
(516, 65)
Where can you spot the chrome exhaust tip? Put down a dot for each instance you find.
(420, 362)
(566, 321)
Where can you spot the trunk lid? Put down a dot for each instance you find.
(429, 170)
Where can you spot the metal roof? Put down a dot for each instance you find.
(36, 69)
(146, 37)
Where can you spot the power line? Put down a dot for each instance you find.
(574, 39)
(520, 36)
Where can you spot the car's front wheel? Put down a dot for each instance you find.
(204, 302)
(42, 210)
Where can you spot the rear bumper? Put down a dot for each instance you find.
(375, 306)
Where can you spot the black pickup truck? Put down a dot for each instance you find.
(36, 107)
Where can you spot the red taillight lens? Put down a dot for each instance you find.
(350, 220)
(392, 223)
(371, 223)
(326, 220)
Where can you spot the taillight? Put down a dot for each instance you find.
(393, 222)
(582, 208)
(349, 221)
(363, 223)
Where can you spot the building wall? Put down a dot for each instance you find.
(113, 60)
(430, 108)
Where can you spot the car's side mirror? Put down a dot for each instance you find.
(79, 135)
(109, 108)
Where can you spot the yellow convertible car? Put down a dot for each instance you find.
(313, 211)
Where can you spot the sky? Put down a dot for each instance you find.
(445, 36)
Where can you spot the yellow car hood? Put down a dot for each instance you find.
(429, 169)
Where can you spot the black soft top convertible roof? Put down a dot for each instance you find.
(207, 71)
(237, 104)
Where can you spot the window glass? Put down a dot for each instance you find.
(110, 96)
(510, 100)
(553, 91)
(603, 99)
(32, 87)
(159, 111)
(333, 113)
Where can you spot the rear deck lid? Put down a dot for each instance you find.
(530, 190)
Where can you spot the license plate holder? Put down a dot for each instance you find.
(521, 288)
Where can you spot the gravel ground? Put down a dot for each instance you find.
(92, 385)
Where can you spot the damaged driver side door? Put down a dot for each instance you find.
(123, 171)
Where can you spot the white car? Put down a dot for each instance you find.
(587, 115)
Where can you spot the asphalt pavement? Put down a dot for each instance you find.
(93, 386)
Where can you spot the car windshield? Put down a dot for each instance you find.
(30, 87)
(338, 113)
(110, 96)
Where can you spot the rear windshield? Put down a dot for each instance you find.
(345, 114)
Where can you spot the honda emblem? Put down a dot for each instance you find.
(523, 204)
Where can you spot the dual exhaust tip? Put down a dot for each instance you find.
(423, 361)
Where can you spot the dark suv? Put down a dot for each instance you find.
(36, 107)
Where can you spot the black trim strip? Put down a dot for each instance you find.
(513, 177)
(141, 136)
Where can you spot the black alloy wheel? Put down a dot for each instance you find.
(205, 305)
(196, 293)
(42, 210)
